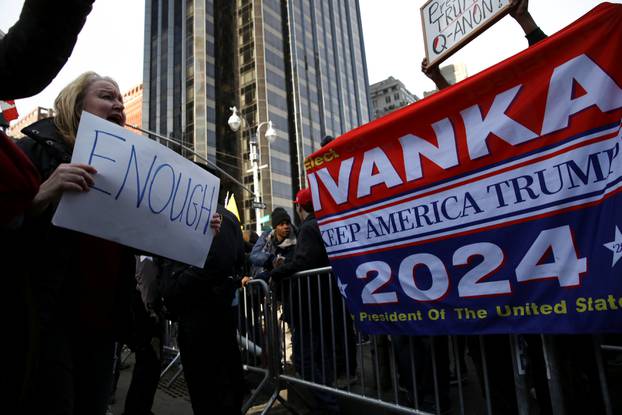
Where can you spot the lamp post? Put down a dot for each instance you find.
(235, 121)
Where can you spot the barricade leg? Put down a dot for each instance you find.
(602, 375)
(553, 374)
(520, 378)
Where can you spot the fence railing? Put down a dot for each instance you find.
(298, 335)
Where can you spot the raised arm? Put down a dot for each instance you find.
(434, 73)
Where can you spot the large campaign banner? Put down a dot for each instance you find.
(492, 206)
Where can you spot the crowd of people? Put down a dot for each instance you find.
(81, 297)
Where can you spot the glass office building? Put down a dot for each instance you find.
(298, 63)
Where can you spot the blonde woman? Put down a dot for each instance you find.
(82, 284)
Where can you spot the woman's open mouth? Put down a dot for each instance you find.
(117, 119)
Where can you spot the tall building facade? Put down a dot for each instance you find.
(133, 102)
(388, 95)
(453, 73)
(298, 63)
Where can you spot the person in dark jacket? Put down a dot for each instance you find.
(310, 251)
(274, 247)
(36, 48)
(147, 334)
(310, 314)
(201, 299)
(28, 63)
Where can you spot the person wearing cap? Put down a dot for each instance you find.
(310, 312)
(274, 247)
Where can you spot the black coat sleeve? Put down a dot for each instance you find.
(310, 252)
(183, 285)
(237, 247)
(35, 49)
(535, 36)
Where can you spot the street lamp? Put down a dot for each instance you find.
(235, 122)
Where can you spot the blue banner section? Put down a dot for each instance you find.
(562, 275)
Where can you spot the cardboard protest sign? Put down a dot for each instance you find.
(493, 206)
(145, 195)
(448, 25)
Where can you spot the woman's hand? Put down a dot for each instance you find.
(67, 177)
(215, 223)
(246, 280)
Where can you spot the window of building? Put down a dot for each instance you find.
(387, 99)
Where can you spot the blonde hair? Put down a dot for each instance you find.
(70, 102)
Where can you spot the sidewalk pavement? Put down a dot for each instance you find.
(169, 400)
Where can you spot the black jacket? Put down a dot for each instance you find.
(55, 267)
(186, 288)
(267, 248)
(45, 146)
(307, 299)
(38, 45)
(309, 253)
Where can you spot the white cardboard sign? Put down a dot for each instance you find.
(145, 195)
(448, 25)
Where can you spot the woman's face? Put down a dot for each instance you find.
(104, 99)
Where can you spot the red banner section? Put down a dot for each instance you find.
(455, 203)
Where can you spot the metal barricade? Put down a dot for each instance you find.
(329, 359)
(300, 336)
(170, 352)
(255, 333)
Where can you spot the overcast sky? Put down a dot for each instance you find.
(111, 42)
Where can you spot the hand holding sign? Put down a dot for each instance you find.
(216, 222)
(433, 72)
(520, 13)
(67, 177)
(449, 25)
(144, 195)
(520, 8)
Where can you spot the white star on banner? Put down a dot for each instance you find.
(615, 246)
(342, 288)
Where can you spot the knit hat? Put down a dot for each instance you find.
(279, 215)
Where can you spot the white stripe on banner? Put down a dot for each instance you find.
(579, 172)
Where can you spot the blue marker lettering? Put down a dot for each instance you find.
(198, 186)
(140, 192)
(94, 154)
(170, 196)
(181, 211)
(209, 211)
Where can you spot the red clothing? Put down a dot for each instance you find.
(19, 180)
(100, 264)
